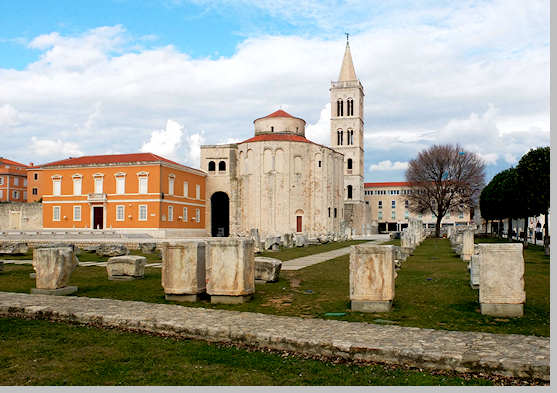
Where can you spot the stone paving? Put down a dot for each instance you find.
(499, 354)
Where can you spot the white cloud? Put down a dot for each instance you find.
(175, 143)
(165, 142)
(8, 116)
(320, 132)
(388, 165)
(54, 149)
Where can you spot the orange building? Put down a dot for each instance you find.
(13, 181)
(33, 184)
(122, 191)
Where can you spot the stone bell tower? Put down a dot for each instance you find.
(347, 127)
(347, 137)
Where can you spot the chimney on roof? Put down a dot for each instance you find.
(30, 164)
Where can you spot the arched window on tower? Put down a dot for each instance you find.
(350, 107)
(349, 137)
(349, 163)
(340, 107)
(339, 137)
(349, 192)
(211, 166)
(222, 166)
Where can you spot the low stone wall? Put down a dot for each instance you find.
(21, 216)
(499, 354)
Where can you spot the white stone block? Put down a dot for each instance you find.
(126, 266)
(501, 279)
(372, 278)
(475, 271)
(467, 245)
(183, 267)
(267, 269)
(53, 266)
(230, 267)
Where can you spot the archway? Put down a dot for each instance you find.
(220, 215)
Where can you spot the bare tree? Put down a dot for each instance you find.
(444, 178)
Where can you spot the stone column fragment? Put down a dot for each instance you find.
(372, 278)
(183, 270)
(230, 270)
(53, 267)
(467, 245)
(501, 279)
(126, 267)
(475, 271)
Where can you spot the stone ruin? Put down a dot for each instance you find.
(183, 270)
(126, 267)
(53, 267)
(372, 278)
(267, 269)
(501, 279)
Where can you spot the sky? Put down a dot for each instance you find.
(166, 76)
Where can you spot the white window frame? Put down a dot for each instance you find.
(186, 189)
(393, 215)
(1, 194)
(77, 180)
(197, 215)
(380, 215)
(197, 191)
(16, 194)
(171, 179)
(54, 210)
(139, 218)
(98, 178)
(170, 213)
(25, 195)
(16, 181)
(143, 180)
(57, 185)
(185, 215)
(77, 217)
(1, 180)
(120, 208)
(24, 182)
(120, 183)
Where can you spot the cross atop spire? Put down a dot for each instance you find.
(347, 72)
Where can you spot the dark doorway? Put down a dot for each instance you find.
(382, 227)
(220, 216)
(391, 226)
(298, 223)
(98, 217)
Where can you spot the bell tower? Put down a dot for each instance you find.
(347, 126)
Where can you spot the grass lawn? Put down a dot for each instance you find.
(432, 291)
(44, 353)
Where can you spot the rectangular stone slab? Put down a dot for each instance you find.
(372, 273)
(501, 274)
(126, 265)
(230, 267)
(183, 267)
(53, 266)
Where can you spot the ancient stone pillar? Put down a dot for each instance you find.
(53, 267)
(467, 245)
(475, 271)
(501, 279)
(183, 270)
(372, 278)
(230, 272)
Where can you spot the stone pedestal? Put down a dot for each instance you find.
(467, 245)
(230, 271)
(53, 267)
(475, 271)
(183, 270)
(372, 278)
(267, 269)
(501, 279)
(126, 267)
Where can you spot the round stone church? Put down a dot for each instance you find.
(277, 182)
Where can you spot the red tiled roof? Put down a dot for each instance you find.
(10, 162)
(111, 159)
(277, 137)
(387, 184)
(279, 113)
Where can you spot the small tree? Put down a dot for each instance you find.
(444, 178)
(533, 175)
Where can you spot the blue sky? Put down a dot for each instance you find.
(119, 76)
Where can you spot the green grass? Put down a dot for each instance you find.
(432, 291)
(44, 353)
(286, 254)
